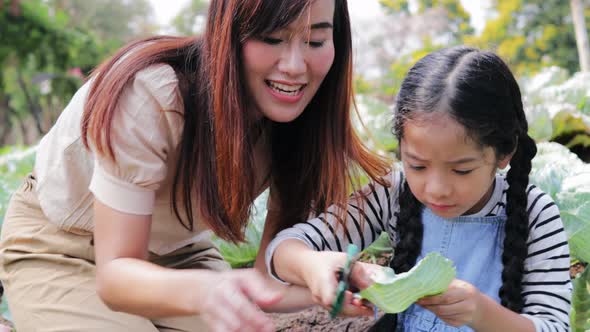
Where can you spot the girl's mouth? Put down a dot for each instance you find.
(440, 207)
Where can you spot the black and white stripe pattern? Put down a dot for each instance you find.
(546, 283)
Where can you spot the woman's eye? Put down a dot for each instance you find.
(315, 44)
(417, 168)
(271, 41)
(460, 172)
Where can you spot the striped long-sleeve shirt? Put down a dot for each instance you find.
(546, 283)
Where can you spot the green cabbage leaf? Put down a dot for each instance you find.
(395, 293)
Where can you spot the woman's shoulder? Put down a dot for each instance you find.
(157, 74)
(160, 82)
(157, 81)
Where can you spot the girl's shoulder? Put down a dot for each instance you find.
(535, 195)
(543, 213)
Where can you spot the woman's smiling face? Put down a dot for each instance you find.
(446, 170)
(285, 69)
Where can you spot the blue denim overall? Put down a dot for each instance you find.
(474, 244)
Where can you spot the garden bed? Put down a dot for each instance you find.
(318, 319)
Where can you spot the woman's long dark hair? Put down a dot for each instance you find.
(313, 158)
(477, 89)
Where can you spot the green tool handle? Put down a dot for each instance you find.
(352, 250)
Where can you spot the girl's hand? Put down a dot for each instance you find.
(321, 278)
(232, 299)
(460, 305)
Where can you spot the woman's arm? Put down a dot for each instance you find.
(124, 276)
(127, 282)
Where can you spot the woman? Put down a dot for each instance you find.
(173, 138)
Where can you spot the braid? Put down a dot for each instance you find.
(477, 89)
(409, 231)
(517, 229)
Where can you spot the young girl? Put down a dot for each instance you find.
(169, 140)
(459, 118)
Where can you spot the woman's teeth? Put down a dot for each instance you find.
(290, 90)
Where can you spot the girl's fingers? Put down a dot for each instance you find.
(358, 301)
(445, 310)
(361, 274)
(355, 306)
(430, 300)
(442, 299)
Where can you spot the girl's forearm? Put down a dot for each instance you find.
(142, 288)
(290, 260)
(495, 317)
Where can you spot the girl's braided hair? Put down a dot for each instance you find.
(477, 89)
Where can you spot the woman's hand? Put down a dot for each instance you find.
(460, 305)
(232, 299)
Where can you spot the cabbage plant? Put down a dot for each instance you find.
(561, 174)
(566, 178)
(558, 105)
(244, 254)
(15, 164)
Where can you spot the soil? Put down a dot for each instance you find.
(318, 319)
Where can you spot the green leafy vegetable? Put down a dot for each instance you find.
(382, 247)
(580, 317)
(244, 254)
(561, 174)
(395, 293)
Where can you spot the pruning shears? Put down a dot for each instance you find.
(352, 256)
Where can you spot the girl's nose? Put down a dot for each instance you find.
(437, 187)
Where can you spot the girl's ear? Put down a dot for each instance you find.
(505, 161)
(502, 163)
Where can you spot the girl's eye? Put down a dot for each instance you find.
(271, 41)
(416, 168)
(315, 44)
(462, 172)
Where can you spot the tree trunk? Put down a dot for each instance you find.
(34, 106)
(5, 112)
(577, 7)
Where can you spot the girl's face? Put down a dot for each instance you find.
(284, 69)
(446, 170)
